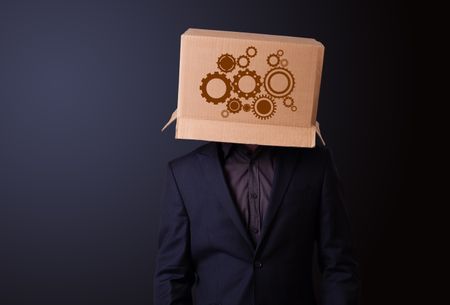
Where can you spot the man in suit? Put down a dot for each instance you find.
(239, 224)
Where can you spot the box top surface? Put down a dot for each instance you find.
(192, 32)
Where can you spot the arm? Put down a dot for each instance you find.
(174, 274)
(339, 284)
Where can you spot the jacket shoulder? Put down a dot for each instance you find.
(317, 152)
(190, 157)
(316, 158)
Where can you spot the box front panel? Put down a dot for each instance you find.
(236, 80)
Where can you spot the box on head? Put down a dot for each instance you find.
(248, 88)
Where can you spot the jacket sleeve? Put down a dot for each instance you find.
(339, 285)
(174, 275)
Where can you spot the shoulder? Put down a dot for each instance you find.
(191, 158)
(309, 160)
(317, 154)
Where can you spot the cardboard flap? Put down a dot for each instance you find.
(173, 117)
(319, 133)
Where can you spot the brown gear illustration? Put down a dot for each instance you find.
(251, 51)
(273, 60)
(252, 74)
(246, 107)
(226, 62)
(234, 105)
(204, 85)
(276, 92)
(264, 107)
(225, 113)
(294, 108)
(243, 61)
(288, 101)
(284, 62)
(280, 52)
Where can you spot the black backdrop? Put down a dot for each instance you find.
(85, 87)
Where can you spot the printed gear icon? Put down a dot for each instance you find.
(245, 59)
(264, 107)
(215, 100)
(273, 60)
(234, 105)
(226, 62)
(288, 101)
(252, 74)
(290, 82)
(246, 107)
(251, 51)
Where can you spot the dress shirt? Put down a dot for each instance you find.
(249, 176)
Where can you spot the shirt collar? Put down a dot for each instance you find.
(226, 148)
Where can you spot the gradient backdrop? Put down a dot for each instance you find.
(85, 87)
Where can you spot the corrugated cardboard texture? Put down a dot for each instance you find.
(248, 88)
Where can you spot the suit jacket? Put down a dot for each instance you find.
(204, 244)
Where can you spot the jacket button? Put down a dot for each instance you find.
(258, 264)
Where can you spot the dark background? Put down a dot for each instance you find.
(85, 87)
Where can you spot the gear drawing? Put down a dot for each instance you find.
(226, 62)
(237, 87)
(264, 107)
(288, 101)
(243, 61)
(204, 88)
(246, 90)
(251, 51)
(288, 80)
(234, 105)
(273, 60)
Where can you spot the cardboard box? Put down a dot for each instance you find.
(248, 88)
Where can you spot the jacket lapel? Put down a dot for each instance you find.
(213, 172)
(285, 163)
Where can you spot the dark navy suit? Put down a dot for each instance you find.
(204, 244)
